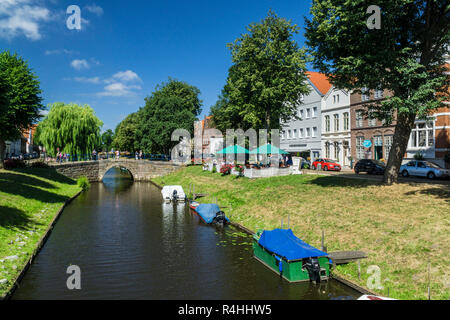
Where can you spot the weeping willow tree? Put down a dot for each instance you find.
(72, 128)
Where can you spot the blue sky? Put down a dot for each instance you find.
(126, 47)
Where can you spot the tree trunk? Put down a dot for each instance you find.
(402, 133)
(2, 152)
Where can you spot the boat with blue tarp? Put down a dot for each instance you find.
(209, 213)
(290, 257)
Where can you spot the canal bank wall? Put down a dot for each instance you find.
(338, 278)
(38, 248)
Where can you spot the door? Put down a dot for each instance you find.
(411, 167)
(421, 169)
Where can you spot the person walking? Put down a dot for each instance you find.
(136, 154)
(94, 155)
(140, 155)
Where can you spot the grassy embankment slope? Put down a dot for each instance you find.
(29, 200)
(403, 227)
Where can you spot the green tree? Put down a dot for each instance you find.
(166, 110)
(107, 139)
(72, 128)
(266, 79)
(20, 98)
(125, 134)
(404, 56)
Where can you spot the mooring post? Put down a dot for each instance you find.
(323, 240)
(429, 280)
(359, 271)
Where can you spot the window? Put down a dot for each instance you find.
(346, 121)
(372, 122)
(334, 99)
(359, 119)
(422, 135)
(387, 146)
(300, 133)
(301, 114)
(327, 124)
(289, 134)
(295, 134)
(336, 151)
(337, 99)
(336, 122)
(308, 113)
(314, 114)
(359, 147)
(308, 132)
(314, 132)
(327, 149)
(365, 94)
(378, 94)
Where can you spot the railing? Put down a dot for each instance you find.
(106, 156)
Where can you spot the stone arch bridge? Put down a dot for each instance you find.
(141, 170)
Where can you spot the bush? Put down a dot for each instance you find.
(226, 169)
(83, 183)
(13, 164)
(419, 156)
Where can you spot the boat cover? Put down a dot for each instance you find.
(284, 243)
(208, 211)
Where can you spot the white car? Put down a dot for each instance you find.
(423, 169)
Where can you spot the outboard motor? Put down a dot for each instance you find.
(175, 195)
(313, 267)
(220, 218)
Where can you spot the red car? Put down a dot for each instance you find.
(326, 165)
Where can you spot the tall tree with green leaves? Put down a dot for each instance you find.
(20, 98)
(403, 56)
(266, 79)
(107, 140)
(125, 138)
(173, 105)
(71, 128)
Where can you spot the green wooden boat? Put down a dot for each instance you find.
(290, 257)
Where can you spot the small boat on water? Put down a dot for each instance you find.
(173, 193)
(290, 257)
(210, 213)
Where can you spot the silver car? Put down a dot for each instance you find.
(423, 169)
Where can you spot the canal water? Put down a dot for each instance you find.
(129, 245)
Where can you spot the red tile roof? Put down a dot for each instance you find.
(320, 81)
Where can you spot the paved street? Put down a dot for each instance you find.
(351, 175)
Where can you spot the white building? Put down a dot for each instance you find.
(336, 126)
(303, 137)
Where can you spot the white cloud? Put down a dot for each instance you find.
(118, 89)
(94, 9)
(22, 17)
(93, 80)
(126, 76)
(58, 51)
(78, 64)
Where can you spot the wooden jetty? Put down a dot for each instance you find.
(343, 257)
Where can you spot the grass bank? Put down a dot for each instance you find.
(404, 228)
(29, 200)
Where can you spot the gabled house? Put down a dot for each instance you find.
(336, 126)
(303, 137)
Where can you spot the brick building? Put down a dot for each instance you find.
(364, 128)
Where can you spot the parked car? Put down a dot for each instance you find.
(326, 165)
(423, 169)
(370, 166)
